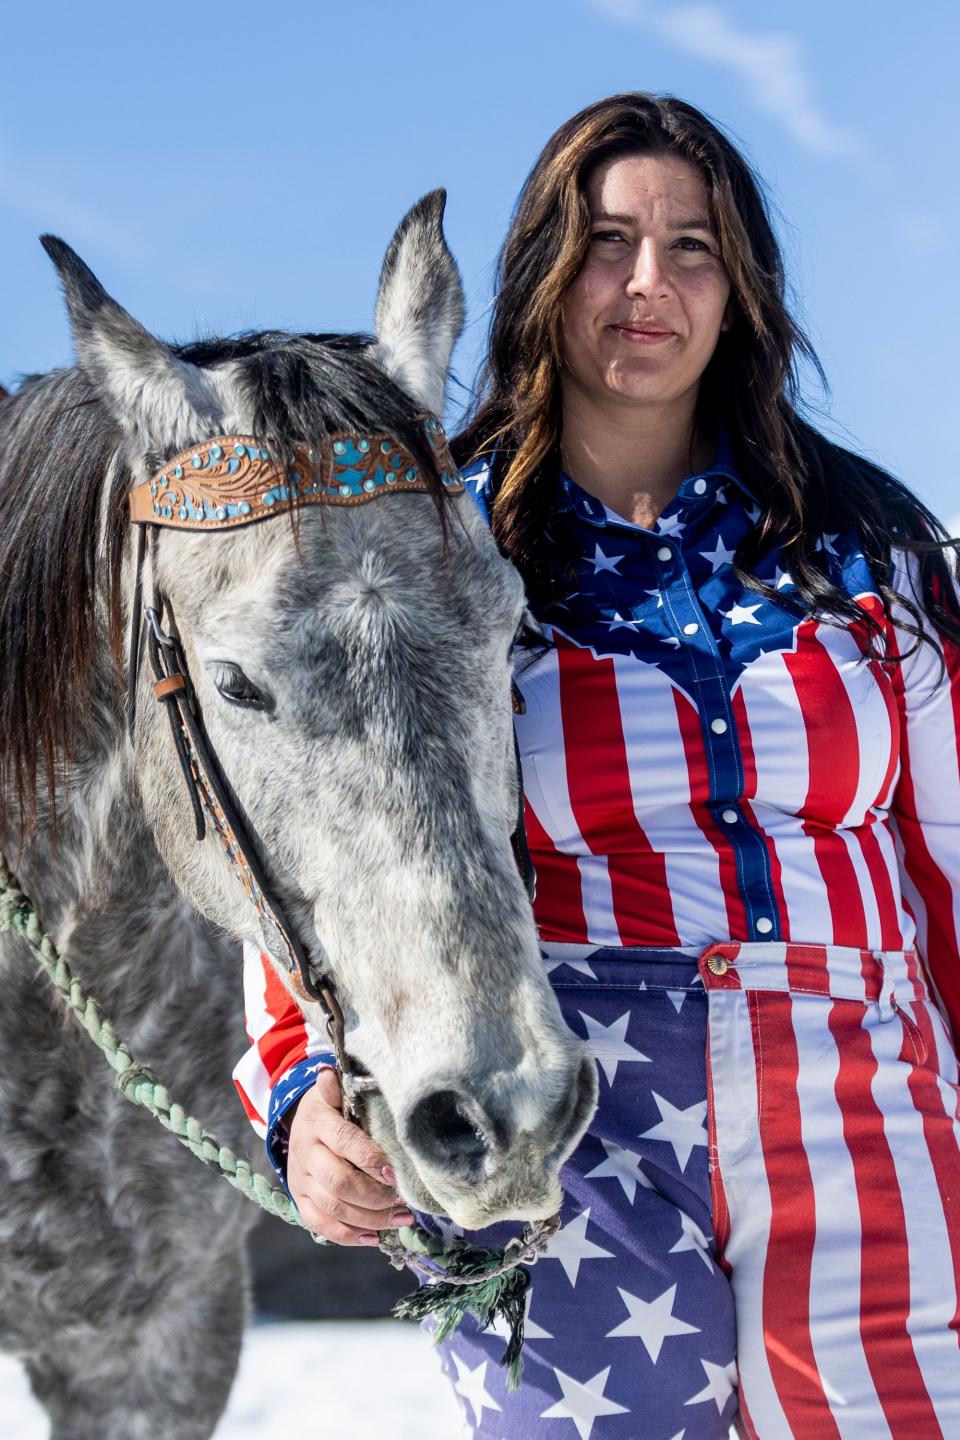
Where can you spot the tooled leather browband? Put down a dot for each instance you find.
(233, 480)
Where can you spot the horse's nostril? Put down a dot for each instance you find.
(443, 1129)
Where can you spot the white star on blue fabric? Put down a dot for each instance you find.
(658, 595)
(622, 1165)
(719, 555)
(570, 1246)
(605, 562)
(673, 525)
(781, 578)
(583, 966)
(583, 1401)
(719, 1386)
(676, 998)
(608, 1044)
(469, 1384)
(825, 543)
(683, 1129)
(617, 622)
(692, 1238)
(742, 614)
(653, 1321)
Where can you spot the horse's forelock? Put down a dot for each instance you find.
(304, 388)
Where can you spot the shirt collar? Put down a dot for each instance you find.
(695, 487)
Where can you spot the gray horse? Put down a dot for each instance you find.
(353, 671)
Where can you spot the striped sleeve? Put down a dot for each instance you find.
(926, 803)
(285, 1055)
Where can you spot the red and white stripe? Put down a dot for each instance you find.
(926, 803)
(832, 1076)
(616, 773)
(278, 1033)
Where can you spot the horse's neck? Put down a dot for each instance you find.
(96, 879)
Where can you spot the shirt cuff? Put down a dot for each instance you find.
(295, 1082)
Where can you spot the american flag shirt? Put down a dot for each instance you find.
(701, 763)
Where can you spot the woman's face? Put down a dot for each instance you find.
(642, 318)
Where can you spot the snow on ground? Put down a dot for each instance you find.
(315, 1380)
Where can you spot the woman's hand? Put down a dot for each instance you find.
(341, 1181)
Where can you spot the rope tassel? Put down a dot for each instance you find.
(461, 1279)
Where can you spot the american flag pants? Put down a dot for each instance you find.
(761, 1227)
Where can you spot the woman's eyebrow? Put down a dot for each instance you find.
(699, 222)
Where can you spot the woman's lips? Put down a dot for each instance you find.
(643, 337)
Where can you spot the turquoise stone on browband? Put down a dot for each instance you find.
(232, 480)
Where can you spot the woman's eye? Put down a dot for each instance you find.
(234, 686)
(690, 241)
(606, 235)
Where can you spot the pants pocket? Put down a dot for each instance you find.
(914, 1049)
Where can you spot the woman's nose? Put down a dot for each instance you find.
(648, 276)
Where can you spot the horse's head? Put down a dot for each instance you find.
(352, 669)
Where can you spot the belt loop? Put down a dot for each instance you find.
(886, 1004)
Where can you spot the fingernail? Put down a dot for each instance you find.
(402, 1217)
(389, 1174)
(368, 1239)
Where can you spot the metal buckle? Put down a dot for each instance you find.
(159, 634)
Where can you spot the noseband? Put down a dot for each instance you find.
(223, 484)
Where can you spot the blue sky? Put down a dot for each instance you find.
(226, 166)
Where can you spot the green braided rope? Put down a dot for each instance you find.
(137, 1082)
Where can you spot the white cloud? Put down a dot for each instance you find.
(772, 66)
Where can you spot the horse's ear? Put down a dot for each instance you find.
(156, 397)
(419, 304)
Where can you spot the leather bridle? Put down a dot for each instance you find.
(223, 484)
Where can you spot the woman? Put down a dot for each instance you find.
(741, 771)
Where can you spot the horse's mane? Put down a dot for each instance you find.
(63, 487)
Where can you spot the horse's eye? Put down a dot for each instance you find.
(234, 686)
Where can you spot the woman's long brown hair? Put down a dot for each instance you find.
(805, 484)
